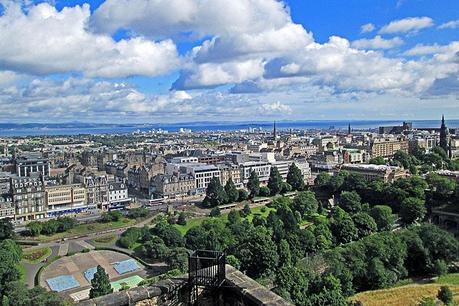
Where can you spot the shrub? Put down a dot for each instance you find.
(181, 219)
(264, 191)
(243, 195)
(111, 216)
(136, 213)
(215, 212)
(445, 295)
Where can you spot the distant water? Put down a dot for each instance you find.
(81, 128)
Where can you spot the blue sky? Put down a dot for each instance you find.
(198, 60)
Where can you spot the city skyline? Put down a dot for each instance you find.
(247, 60)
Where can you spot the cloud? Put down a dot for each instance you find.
(377, 43)
(61, 43)
(275, 108)
(421, 49)
(444, 87)
(366, 28)
(406, 25)
(165, 18)
(453, 24)
(211, 75)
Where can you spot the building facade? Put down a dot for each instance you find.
(118, 196)
(66, 200)
(387, 146)
(28, 196)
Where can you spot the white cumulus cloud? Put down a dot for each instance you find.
(43, 41)
(377, 43)
(453, 24)
(410, 24)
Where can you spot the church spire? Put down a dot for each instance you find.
(443, 134)
(349, 129)
(274, 130)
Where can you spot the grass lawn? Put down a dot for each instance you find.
(84, 229)
(22, 273)
(258, 211)
(449, 279)
(190, 223)
(37, 255)
(409, 294)
(108, 239)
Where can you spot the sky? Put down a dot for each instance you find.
(153, 61)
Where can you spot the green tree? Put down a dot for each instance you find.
(155, 248)
(412, 210)
(231, 191)
(181, 219)
(215, 212)
(285, 256)
(243, 195)
(377, 161)
(6, 229)
(34, 228)
(442, 187)
(10, 255)
(275, 181)
(253, 185)
(264, 191)
(257, 253)
(440, 267)
(350, 201)
(215, 193)
(365, 224)
(305, 203)
(169, 234)
(233, 261)
(130, 237)
(234, 217)
(137, 213)
(100, 284)
(445, 295)
(50, 227)
(295, 177)
(246, 210)
(178, 259)
(383, 217)
(342, 226)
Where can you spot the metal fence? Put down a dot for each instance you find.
(206, 268)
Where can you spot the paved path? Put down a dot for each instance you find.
(63, 249)
(32, 269)
(85, 245)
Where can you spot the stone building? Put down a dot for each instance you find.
(387, 146)
(28, 195)
(172, 186)
(388, 174)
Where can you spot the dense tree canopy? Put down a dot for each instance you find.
(275, 181)
(231, 191)
(253, 185)
(295, 177)
(215, 193)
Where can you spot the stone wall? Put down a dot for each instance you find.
(237, 290)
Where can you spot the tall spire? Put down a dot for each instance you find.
(443, 134)
(274, 130)
(349, 129)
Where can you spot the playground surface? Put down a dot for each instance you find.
(71, 275)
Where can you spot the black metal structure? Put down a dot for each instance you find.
(206, 270)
